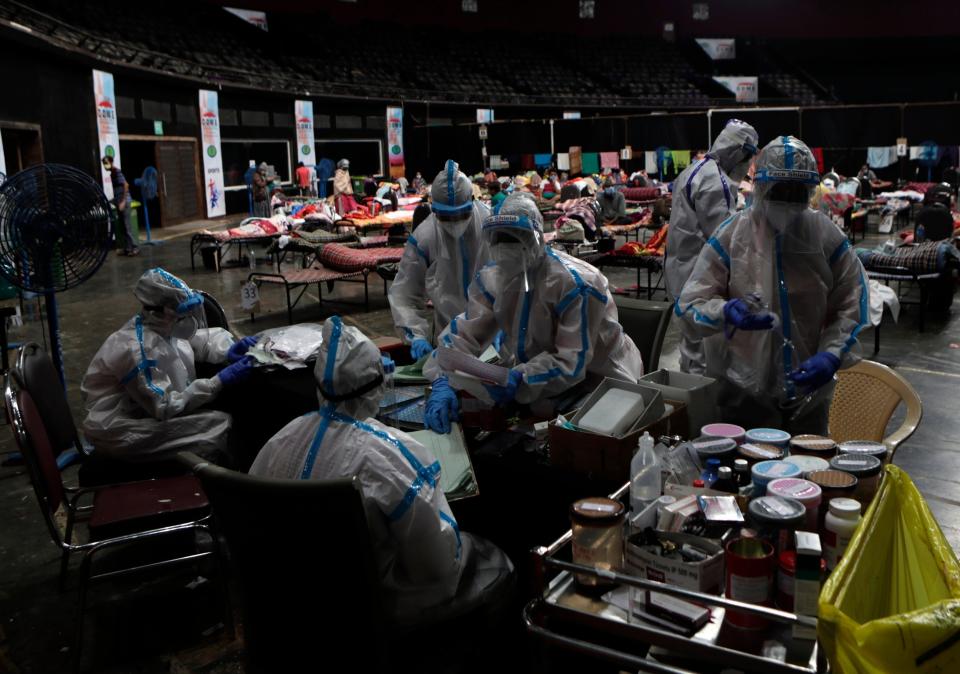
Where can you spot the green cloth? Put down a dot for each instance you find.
(681, 159)
(497, 198)
(590, 163)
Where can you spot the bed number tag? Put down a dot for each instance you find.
(250, 296)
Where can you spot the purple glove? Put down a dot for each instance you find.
(238, 372)
(503, 395)
(737, 313)
(240, 348)
(816, 370)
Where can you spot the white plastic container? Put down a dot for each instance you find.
(839, 526)
(614, 413)
(645, 484)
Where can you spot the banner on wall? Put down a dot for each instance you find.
(212, 159)
(395, 142)
(107, 134)
(719, 49)
(745, 88)
(303, 114)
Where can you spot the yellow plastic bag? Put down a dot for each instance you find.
(893, 602)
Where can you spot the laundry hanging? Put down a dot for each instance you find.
(542, 160)
(591, 163)
(818, 155)
(610, 160)
(681, 159)
(563, 161)
(881, 157)
(650, 162)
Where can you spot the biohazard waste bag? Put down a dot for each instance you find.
(893, 602)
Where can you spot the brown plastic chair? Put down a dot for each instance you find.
(864, 400)
(119, 515)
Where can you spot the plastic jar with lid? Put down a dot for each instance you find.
(597, 526)
(775, 519)
(839, 526)
(754, 452)
(877, 449)
(834, 484)
(769, 436)
(808, 464)
(731, 431)
(766, 471)
(804, 491)
(866, 469)
(724, 449)
(786, 573)
(813, 445)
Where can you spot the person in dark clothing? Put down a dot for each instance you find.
(121, 199)
(261, 196)
(613, 205)
(421, 213)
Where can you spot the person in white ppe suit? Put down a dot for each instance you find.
(558, 317)
(439, 262)
(781, 297)
(140, 390)
(421, 552)
(704, 195)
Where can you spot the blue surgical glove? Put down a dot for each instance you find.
(388, 365)
(737, 313)
(441, 407)
(505, 394)
(420, 348)
(239, 348)
(236, 373)
(816, 370)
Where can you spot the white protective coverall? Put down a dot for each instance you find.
(421, 552)
(558, 317)
(440, 260)
(795, 263)
(704, 195)
(140, 389)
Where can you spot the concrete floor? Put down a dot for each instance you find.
(37, 621)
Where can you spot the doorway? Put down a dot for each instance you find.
(22, 145)
(178, 175)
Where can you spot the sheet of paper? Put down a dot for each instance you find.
(456, 472)
(452, 360)
(411, 374)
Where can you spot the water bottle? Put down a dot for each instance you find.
(644, 475)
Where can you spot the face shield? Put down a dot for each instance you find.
(785, 179)
(452, 200)
(349, 371)
(516, 246)
(171, 308)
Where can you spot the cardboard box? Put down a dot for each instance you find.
(603, 456)
(699, 393)
(705, 576)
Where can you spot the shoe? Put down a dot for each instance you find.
(133, 253)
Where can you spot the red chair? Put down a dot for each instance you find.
(118, 515)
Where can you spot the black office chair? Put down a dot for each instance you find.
(213, 310)
(305, 565)
(645, 322)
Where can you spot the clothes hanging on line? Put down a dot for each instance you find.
(681, 159)
(590, 162)
(563, 161)
(610, 160)
(881, 157)
(650, 162)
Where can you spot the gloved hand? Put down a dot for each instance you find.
(505, 394)
(420, 348)
(441, 407)
(816, 370)
(737, 313)
(388, 365)
(239, 348)
(238, 372)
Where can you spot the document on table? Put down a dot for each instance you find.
(452, 360)
(456, 472)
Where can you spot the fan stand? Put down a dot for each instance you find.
(146, 224)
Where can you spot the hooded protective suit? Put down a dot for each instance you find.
(440, 259)
(140, 390)
(704, 195)
(420, 549)
(557, 314)
(782, 258)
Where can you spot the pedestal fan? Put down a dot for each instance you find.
(55, 233)
(148, 192)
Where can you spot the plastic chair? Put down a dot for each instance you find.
(299, 548)
(213, 311)
(864, 400)
(119, 515)
(645, 322)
